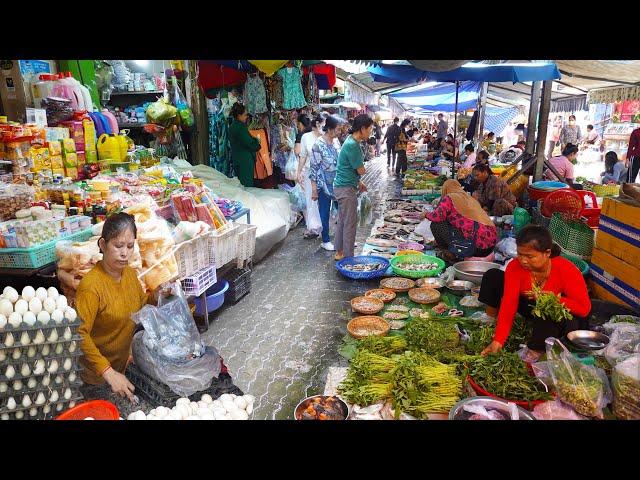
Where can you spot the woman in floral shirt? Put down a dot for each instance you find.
(322, 171)
(458, 210)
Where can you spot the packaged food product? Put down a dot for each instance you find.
(70, 160)
(14, 197)
(68, 146)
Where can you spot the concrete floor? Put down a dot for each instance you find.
(279, 341)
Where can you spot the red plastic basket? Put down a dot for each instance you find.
(538, 194)
(98, 409)
(529, 405)
(562, 201)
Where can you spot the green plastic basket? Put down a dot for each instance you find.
(36, 257)
(416, 259)
(581, 264)
(575, 237)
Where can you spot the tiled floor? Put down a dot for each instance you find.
(280, 340)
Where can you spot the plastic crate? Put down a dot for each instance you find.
(36, 257)
(194, 255)
(224, 244)
(239, 283)
(160, 394)
(198, 283)
(246, 243)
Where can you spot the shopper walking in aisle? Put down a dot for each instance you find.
(311, 212)
(377, 132)
(243, 146)
(493, 193)
(401, 149)
(443, 127)
(615, 171)
(322, 173)
(391, 137)
(555, 136)
(633, 156)
(570, 134)
(347, 183)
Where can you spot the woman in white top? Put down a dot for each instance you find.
(311, 212)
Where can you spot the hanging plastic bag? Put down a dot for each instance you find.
(365, 210)
(291, 168)
(626, 389)
(424, 229)
(584, 387)
(297, 199)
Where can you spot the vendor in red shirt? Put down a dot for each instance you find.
(539, 262)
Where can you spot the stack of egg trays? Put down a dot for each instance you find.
(18, 354)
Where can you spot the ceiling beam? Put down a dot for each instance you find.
(597, 79)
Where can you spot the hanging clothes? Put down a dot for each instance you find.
(292, 88)
(310, 86)
(219, 147)
(274, 91)
(263, 166)
(255, 96)
(268, 67)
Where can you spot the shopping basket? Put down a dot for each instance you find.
(574, 236)
(96, 409)
(417, 259)
(246, 243)
(562, 201)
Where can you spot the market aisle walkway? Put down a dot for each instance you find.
(280, 340)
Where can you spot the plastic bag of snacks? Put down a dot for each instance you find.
(584, 387)
(14, 197)
(626, 389)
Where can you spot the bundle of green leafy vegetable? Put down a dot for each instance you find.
(431, 336)
(549, 307)
(505, 374)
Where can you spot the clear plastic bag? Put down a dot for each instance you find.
(624, 343)
(556, 410)
(507, 246)
(297, 198)
(291, 168)
(626, 388)
(584, 387)
(424, 229)
(365, 210)
(619, 321)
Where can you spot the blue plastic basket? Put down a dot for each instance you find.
(362, 260)
(215, 297)
(38, 256)
(548, 185)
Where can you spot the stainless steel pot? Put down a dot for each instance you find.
(473, 271)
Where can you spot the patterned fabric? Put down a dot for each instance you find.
(486, 236)
(324, 160)
(401, 144)
(255, 96)
(496, 195)
(310, 86)
(292, 88)
(570, 134)
(274, 90)
(219, 149)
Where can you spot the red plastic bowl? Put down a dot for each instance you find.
(98, 409)
(529, 405)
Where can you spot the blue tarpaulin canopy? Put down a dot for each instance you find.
(441, 98)
(478, 72)
(496, 119)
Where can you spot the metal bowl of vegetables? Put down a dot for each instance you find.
(321, 407)
(473, 271)
(499, 409)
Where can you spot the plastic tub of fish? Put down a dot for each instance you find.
(472, 409)
(321, 407)
(362, 267)
(417, 266)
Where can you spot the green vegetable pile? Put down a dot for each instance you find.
(505, 375)
(431, 336)
(415, 383)
(579, 386)
(548, 306)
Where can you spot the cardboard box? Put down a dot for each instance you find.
(621, 241)
(622, 211)
(56, 162)
(68, 146)
(56, 133)
(620, 279)
(71, 172)
(55, 148)
(70, 160)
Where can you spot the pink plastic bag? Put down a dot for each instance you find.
(556, 410)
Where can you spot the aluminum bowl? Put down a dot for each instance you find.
(460, 286)
(588, 340)
(431, 282)
(457, 412)
(473, 271)
(303, 403)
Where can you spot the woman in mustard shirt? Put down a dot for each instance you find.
(106, 298)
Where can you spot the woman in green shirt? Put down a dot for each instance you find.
(347, 183)
(243, 145)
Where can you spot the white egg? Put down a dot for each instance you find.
(21, 307)
(54, 396)
(72, 346)
(67, 365)
(49, 305)
(4, 416)
(3, 321)
(45, 350)
(57, 316)
(217, 403)
(39, 367)
(41, 294)
(67, 394)
(17, 385)
(3, 387)
(46, 409)
(35, 306)
(52, 292)
(71, 404)
(33, 412)
(11, 294)
(250, 409)
(43, 317)
(31, 352)
(25, 339)
(220, 415)
(57, 380)
(19, 415)
(239, 415)
(39, 338)
(46, 380)
(6, 307)
(70, 314)
(11, 403)
(60, 406)
(203, 413)
(15, 319)
(206, 398)
(140, 415)
(16, 354)
(40, 400)
(29, 318)
(202, 405)
(67, 334)
(153, 412)
(32, 383)
(53, 336)
(59, 349)
(61, 303)
(249, 398)
(240, 402)
(72, 377)
(26, 401)
(28, 293)
(225, 396)
(9, 340)
(192, 417)
(183, 401)
(25, 371)
(229, 405)
(53, 367)
(3, 355)
(131, 416)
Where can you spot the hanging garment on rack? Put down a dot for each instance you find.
(255, 96)
(219, 149)
(274, 91)
(311, 93)
(292, 88)
(263, 166)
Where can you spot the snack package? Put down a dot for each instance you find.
(68, 146)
